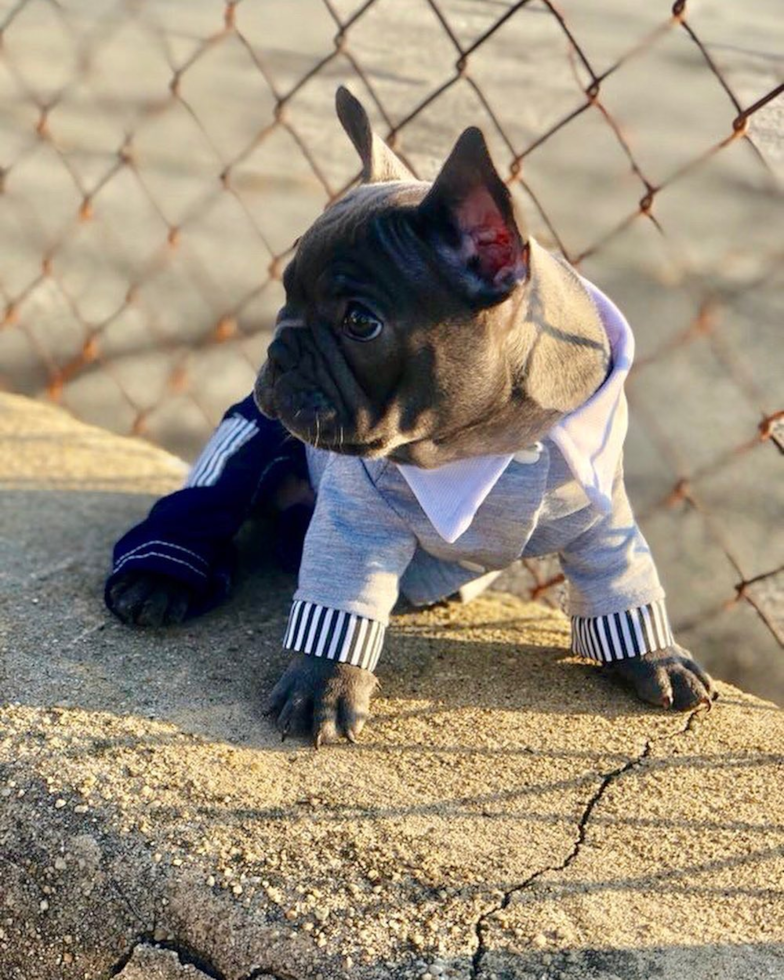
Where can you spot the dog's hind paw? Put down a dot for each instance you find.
(148, 599)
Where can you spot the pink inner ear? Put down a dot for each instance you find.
(488, 238)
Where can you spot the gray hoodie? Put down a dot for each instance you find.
(380, 529)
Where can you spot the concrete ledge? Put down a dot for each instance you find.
(509, 813)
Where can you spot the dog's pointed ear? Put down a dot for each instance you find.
(379, 163)
(469, 216)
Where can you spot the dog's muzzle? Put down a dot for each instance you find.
(280, 394)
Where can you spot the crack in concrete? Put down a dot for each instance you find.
(607, 780)
(188, 957)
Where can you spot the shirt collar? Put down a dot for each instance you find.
(590, 439)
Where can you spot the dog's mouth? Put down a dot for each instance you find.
(329, 434)
(367, 450)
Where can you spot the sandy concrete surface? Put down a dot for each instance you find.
(508, 812)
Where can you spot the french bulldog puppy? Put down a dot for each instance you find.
(456, 394)
(422, 330)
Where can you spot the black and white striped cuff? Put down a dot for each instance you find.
(334, 634)
(617, 636)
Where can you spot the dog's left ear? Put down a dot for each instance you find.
(469, 215)
(379, 162)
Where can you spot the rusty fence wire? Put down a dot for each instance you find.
(158, 159)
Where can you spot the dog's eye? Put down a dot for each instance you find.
(360, 324)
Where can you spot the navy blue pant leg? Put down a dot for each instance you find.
(188, 535)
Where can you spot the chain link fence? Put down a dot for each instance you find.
(157, 160)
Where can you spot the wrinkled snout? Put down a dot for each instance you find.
(281, 358)
(282, 391)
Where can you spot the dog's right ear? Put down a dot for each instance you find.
(379, 163)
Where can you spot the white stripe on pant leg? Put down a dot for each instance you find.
(167, 544)
(218, 458)
(246, 433)
(223, 431)
(240, 437)
(216, 442)
(158, 554)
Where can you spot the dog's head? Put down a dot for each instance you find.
(419, 323)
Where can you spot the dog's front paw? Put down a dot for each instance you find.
(328, 699)
(670, 678)
(148, 599)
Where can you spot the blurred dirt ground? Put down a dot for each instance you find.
(158, 160)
